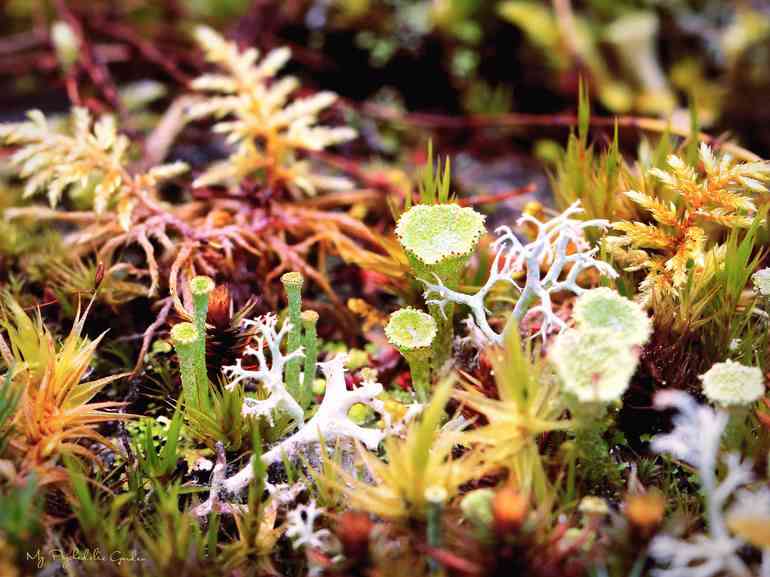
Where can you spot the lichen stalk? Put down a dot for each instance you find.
(201, 287)
(438, 241)
(435, 497)
(414, 333)
(292, 284)
(185, 339)
(310, 345)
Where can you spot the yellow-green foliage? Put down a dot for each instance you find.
(423, 459)
(694, 202)
(54, 413)
(266, 129)
(529, 405)
(90, 160)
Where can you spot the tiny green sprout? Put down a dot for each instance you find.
(319, 387)
(733, 384)
(412, 332)
(310, 344)
(593, 364)
(185, 339)
(761, 280)
(292, 284)
(604, 308)
(477, 507)
(438, 241)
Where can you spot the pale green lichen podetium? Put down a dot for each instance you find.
(185, 339)
(439, 240)
(413, 332)
(292, 284)
(201, 287)
(436, 497)
(310, 344)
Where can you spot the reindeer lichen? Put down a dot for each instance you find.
(549, 248)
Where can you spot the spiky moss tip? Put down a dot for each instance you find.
(292, 279)
(184, 334)
(604, 308)
(593, 364)
(309, 318)
(436, 233)
(733, 384)
(410, 329)
(201, 285)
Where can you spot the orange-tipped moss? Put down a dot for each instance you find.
(54, 414)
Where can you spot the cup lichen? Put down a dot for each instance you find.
(413, 333)
(604, 308)
(439, 240)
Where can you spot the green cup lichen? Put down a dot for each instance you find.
(604, 308)
(201, 287)
(413, 332)
(310, 344)
(439, 240)
(185, 339)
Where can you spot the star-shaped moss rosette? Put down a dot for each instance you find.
(438, 240)
(604, 308)
(412, 332)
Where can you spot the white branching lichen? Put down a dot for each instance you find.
(300, 527)
(550, 247)
(733, 384)
(330, 422)
(695, 440)
(269, 375)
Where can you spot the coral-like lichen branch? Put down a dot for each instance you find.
(550, 247)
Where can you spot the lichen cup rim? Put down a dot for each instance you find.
(398, 333)
(420, 229)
